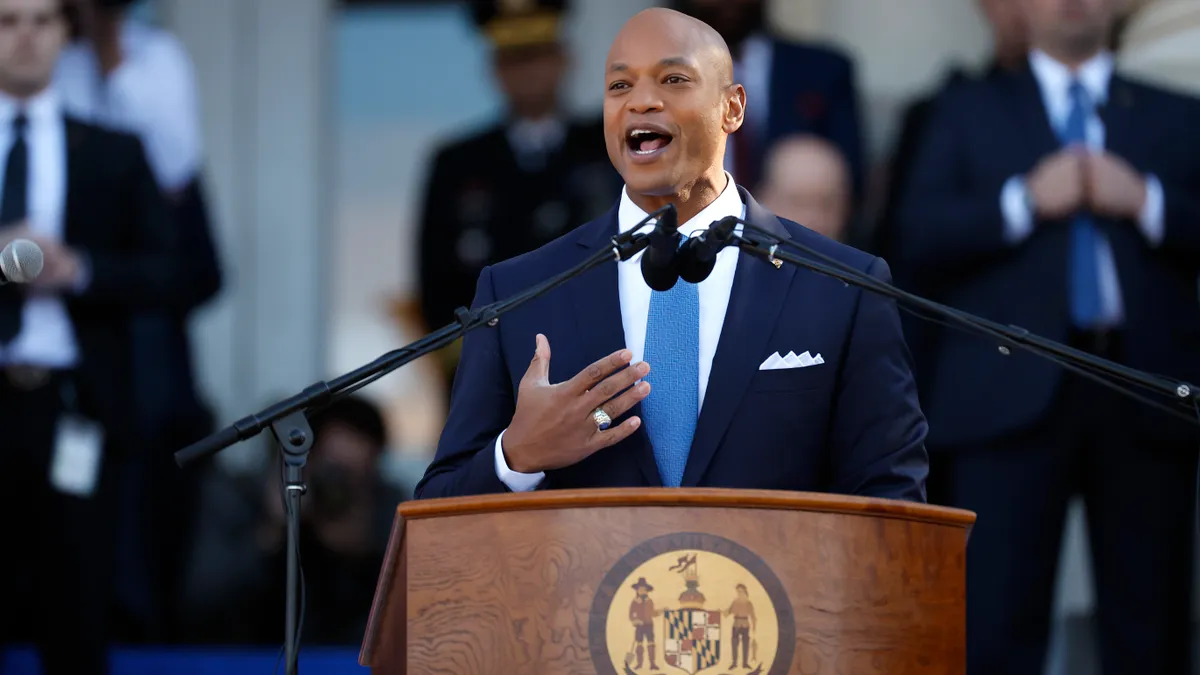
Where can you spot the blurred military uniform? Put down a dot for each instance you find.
(518, 184)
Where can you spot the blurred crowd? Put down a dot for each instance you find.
(1052, 189)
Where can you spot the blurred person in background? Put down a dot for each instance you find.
(793, 88)
(1065, 199)
(1010, 53)
(124, 74)
(520, 183)
(87, 196)
(808, 181)
(237, 587)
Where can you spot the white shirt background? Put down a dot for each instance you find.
(47, 338)
(1054, 79)
(151, 95)
(635, 302)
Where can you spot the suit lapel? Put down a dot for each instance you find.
(596, 302)
(1033, 121)
(1117, 115)
(755, 303)
(76, 135)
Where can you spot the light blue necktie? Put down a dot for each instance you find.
(673, 352)
(1086, 302)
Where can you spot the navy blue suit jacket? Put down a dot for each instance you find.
(852, 425)
(951, 232)
(812, 90)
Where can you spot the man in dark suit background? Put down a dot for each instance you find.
(747, 389)
(88, 198)
(1010, 52)
(519, 183)
(1065, 199)
(794, 88)
(130, 76)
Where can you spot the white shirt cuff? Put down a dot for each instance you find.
(1014, 206)
(1152, 218)
(84, 280)
(517, 482)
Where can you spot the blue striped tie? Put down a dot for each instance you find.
(1086, 302)
(673, 352)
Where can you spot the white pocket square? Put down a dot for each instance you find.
(777, 362)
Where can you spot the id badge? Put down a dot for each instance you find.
(78, 451)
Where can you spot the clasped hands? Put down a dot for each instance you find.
(1078, 179)
(553, 425)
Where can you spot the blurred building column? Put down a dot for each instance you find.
(1161, 45)
(263, 68)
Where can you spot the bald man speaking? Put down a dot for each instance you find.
(756, 377)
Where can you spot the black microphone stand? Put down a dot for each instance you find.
(288, 419)
(762, 244)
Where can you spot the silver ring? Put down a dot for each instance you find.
(603, 421)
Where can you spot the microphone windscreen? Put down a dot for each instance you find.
(691, 268)
(660, 274)
(21, 261)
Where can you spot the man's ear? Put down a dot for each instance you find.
(735, 108)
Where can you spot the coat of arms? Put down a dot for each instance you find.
(693, 633)
(691, 610)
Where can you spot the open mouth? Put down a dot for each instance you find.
(644, 142)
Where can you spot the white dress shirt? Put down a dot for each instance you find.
(753, 71)
(1054, 79)
(151, 94)
(47, 338)
(634, 296)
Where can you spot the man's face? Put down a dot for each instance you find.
(1075, 26)
(735, 20)
(529, 78)
(1009, 32)
(808, 181)
(666, 109)
(32, 33)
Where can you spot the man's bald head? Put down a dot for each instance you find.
(808, 181)
(700, 39)
(670, 103)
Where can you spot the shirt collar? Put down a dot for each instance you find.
(728, 203)
(1094, 74)
(536, 135)
(41, 107)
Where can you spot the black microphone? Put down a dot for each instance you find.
(699, 254)
(660, 262)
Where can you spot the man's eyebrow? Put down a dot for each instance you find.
(667, 62)
(678, 61)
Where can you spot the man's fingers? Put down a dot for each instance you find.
(625, 402)
(539, 367)
(593, 374)
(615, 384)
(604, 439)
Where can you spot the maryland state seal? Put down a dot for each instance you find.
(695, 603)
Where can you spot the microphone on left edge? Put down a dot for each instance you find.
(20, 262)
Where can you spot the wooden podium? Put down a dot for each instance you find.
(632, 581)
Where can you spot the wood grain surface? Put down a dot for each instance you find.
(506, 585)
